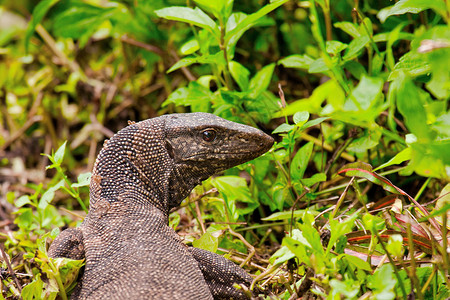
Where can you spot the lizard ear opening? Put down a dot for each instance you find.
(169, 149)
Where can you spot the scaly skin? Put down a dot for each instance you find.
(141, 173)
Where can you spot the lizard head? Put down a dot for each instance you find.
(201, 144)
(163, 159)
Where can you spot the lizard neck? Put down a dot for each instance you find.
(133, 163)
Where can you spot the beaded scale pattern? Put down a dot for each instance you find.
(141, 173)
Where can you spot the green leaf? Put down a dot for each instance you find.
(300, 161)
(39, 12)
(412, 63)
(260, 82)
(339, 228)
(382, 282)
(335, 47)
(400, 157)
(221, 9)
(48, 196)
(33, 290)
(189, 47)
(234, 188)
(84, 179)
(296, 61)
(23, 200)
(195, 93)
(216, 58)
(59, 155)
(81, 20)
(318, 66)
(355, 47)
(283, 128)
(412, 6)
(347, 288)
(373, 223)
(395, 245)
(287, 215)
(365, 95)
(191, 16)
(318, 177)
(232, 37)
(240, 74)
(281, 255)
(301, 117)
(410, 102)
(348, 28)
(207, 242)
(313, 123)
(358, 262)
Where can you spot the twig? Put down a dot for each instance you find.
(148, 47)
(10, 269)
(20, 132)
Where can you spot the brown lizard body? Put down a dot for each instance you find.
(141, 173)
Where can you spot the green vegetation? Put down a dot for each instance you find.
(351, 202)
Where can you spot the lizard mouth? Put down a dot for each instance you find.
(241, 154)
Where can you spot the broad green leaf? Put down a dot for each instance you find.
(395, 245)
(216, 58)
(318, 66)
(412, 6)
(207, 242)
(191, 16)
(84, 179)
(48, 196)
(80, 21)
(314, 122)
(281, 255)
(365, 95)
(286, 215)
(260, 82)
(369, 140)
(339, 228)
(189, 47)
(335, 47)
(373, 223)
(300, 161)
(318, 177)
(355, 47)
(232, 37)
(358, 262)
(301, 117)
(23, 200)
(283, 128)
(412, 63)
(299, 249)
(348, 28)
(296, 61)
(221, 9)
(356, 69)
(234, 188)
(382, 282)
(400, 157)
(33, 290)
(39, 11)
(346, 288)
(59, 155)
(240, 74)
(410, 103)
(194, 93)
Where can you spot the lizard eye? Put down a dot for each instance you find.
(209, 135)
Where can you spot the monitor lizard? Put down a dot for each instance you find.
(142, 172)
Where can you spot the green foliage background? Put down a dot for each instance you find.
(336, 82)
